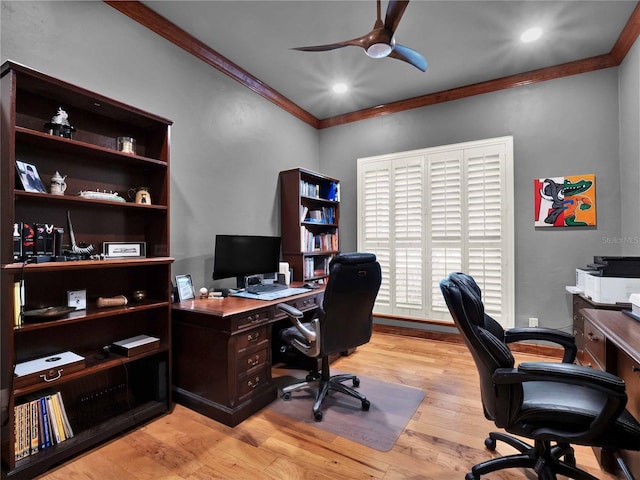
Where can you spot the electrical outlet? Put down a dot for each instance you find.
(533, 322)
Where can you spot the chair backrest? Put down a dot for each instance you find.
(484, 338)
(346, 320)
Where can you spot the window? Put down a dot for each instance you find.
(429, 212)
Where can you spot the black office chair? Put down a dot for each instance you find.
(550, 403)
(342, 323)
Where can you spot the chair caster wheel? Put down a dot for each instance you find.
(356, 382)
(570, 458)
(286, 396)
(490, 443)
(317, 416)
(310, 378)
(470, 476)
(366, 404)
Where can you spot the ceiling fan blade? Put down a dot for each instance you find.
(409, 55)
(395, 9)
(357, 42)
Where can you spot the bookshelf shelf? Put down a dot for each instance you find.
(107, 393)
(310, 217)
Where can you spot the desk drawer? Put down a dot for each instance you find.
(257, 337)
(253, 319)
(594, 344)
(253, 360)
(303, 304)
(249, 383)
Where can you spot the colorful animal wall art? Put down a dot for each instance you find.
(565, 201)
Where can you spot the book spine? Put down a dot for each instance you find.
(65, 418)
(58, 417)
(33, 426)
(52, 420)
(46, 424)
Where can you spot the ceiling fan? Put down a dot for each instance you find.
(380, 42)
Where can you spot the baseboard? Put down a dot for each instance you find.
(521, 347)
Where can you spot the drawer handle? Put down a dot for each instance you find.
(634, 368)
(253, 337)
(44, 376)
(253, 319)
(253, 383)
(593, 337)
(253, 361)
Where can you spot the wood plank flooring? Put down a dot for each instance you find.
(442, 441)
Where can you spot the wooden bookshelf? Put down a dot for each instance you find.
(109, 393)
(310, 218)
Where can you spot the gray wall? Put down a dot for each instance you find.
(561, 127)
(630, 150)
(229, 144)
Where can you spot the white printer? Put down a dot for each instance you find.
(610, 279)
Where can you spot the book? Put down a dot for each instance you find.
(46, 425)
(18, 295)
(33, 427)
(52, 420)
(58, 417)
(65, 418)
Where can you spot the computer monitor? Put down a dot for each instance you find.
(240, 256)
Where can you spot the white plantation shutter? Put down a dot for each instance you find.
(374, 213)
(407, 235)
(485, 177)
(431, 212)
(444, 245)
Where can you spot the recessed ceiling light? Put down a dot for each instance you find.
(340, 88)
(531, 35)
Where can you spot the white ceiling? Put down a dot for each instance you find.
(464, 42)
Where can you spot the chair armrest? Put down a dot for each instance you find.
(612, 386)
(290, 310)
(295, 315)
(558, 337)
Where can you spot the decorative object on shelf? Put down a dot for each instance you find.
(568, 201)
(58, 185)
(97, 195)
(185, 287)
(29, 177)
(139, 295)
(78, 250)
(124, 249)
(140, 195)
(47, 313)
(46, 369)
(59, 125)
(117, 301)
(77, 299)
(204, 292)
(127, 145)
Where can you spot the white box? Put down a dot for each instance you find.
(610, 289)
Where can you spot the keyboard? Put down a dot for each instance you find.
(266, 288)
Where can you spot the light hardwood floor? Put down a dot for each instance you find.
(443, 439)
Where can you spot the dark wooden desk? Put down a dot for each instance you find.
(612, 343)
(222, 353)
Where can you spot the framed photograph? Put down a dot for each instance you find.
(29, 177)
(185, 287)
(124, 249)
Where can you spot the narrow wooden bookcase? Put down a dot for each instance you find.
(104, 394)
(310, 217)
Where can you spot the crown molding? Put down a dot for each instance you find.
(163, 27)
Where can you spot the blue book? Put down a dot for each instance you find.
(46, 428)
